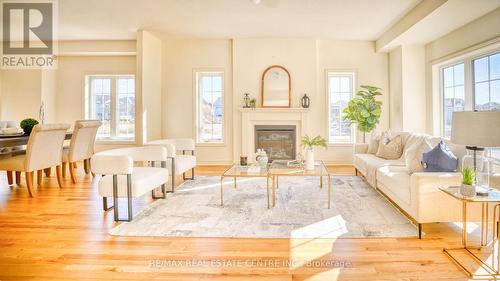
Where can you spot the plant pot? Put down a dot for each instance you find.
(309, 159)
(468, 190)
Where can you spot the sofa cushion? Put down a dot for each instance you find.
(183, 163)
(392, 150)
(395, 179)
(369, 163)
(374, 143)
(413, 156)
(440, 159)
(144, 179)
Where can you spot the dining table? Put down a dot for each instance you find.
(11, 141)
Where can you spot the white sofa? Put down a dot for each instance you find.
(121, 179)
(416, 194)
(178, 163)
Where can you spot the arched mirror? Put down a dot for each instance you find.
(276, 87)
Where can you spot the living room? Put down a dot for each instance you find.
(250, 140)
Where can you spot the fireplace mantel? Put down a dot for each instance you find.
(270, 116)
(275, 110)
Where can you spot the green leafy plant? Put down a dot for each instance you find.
(364, 110)
(309, 143)
(27, 125)
(253, 103)
(468, 176)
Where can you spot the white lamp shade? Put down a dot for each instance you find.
(476, 128)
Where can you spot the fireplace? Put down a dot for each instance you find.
(279, 141)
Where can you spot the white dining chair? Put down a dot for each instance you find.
(44, 150)
(81, 146)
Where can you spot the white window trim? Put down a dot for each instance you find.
(87, 108)
(438, 87)
(221, 71)
(327, 107)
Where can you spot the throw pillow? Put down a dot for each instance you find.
(413, 156)
(374, 142)
(391, 150)
(439, 159)
(386, 137)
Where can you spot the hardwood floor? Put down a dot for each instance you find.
(61, 234)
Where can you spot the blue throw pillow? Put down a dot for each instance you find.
(439, 159)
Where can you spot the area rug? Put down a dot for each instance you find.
(301, 211)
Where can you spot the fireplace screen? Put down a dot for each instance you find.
(277, 140)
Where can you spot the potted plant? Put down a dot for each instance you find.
(27, 125)
(364, 110)
(253, 103)
(309, 144)
(468, 189)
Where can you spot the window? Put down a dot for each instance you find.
(340, 91)
(210, 107)
(453, 93)
(487, 83)
(111, 99)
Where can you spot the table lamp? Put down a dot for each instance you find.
(476, 130)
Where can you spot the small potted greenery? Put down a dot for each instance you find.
(468, 189)
(253, 103)
(309, 144)
(27, 125)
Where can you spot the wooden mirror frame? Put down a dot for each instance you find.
(289, 87)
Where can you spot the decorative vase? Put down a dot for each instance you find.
(468, 190)
(305, 101)
(261, 157)
(246, 100)
(309, 159)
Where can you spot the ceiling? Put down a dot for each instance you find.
(333, 19)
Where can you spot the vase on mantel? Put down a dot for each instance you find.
(309, 159)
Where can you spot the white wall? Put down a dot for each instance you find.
(21, 94)
(243, 61)
(180, 59)
(407, 88)
(148, 87)
(371, 68)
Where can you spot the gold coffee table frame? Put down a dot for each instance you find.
(454, 191)
(273, 172)
(320, 170)
(236, 171)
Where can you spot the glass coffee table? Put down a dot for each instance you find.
(251, 171)
(280, 168)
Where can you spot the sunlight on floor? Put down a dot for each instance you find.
(334, 226)
(471, 226)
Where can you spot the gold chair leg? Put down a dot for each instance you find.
(90, 167)
(72, 167)
(10, 179)
(18, 178)
(86, 166)
(64, 169)
(39, 177)
(58, 174)
(29, 182)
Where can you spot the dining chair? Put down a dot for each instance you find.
(44, 150)
(81, 146)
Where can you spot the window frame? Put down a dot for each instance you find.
(466, 57)
(473, 81)
(196, 75)
(339, 72)
(89, 108)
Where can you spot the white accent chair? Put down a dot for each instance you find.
(178, 163)
(121, 179)
(44, 150)
(81, 146)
